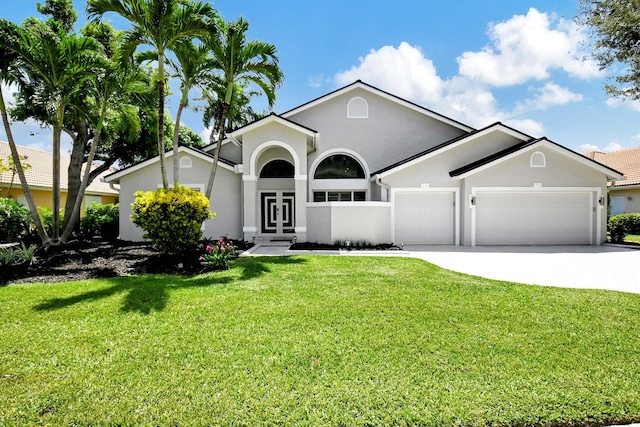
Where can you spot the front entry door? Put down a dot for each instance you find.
(278, 212)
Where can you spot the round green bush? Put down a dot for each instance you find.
(172, 218)
(15, 221)
(99, 219)
(621, 225)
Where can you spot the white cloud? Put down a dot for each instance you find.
(206, 134)
(527, 47)
(612, 146)
(528, 126)
(547, 96)
(617, 102)
(404, 71)
(585, 148)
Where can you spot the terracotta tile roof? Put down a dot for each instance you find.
(39, 175)
(626, 161)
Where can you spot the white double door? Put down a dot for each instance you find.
(278, 212)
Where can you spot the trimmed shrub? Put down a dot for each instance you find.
(99, 219)
(46, 216)
(15, 221)
(621, 225)
(172, 218)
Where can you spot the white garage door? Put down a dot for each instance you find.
(534, 218)
(424, 217)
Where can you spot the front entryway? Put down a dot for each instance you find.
(278, 212)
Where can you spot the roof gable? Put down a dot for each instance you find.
(447, 145)
(371, 89)
(526, 146)
(115, 177)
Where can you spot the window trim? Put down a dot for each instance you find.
(364, 103)
(538, 160)
(186, 162)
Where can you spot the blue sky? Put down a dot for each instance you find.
(478, 62)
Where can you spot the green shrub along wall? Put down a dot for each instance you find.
(621, 225)
(171, 218)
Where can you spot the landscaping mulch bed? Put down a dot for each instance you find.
(92, 259)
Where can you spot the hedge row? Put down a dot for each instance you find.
(621, 225)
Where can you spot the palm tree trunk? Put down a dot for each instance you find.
(176, 144)
(163, 160)
(216, 154)
(23, 180)
(57, 132)
(74, 174)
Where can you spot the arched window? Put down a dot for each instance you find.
(185, 162)
(339, 166)
(357, 108)
(538, 160)
(277, 169)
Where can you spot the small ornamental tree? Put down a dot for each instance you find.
(171, 218)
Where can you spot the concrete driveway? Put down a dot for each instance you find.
(594, 267)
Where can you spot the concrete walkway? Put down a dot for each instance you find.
(593, 267)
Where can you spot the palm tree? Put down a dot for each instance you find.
(161, 24)
(116, 85)
(192, 67)
(240, 62)
(10, 73)
(54, 66)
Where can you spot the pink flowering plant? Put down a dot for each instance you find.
(217, 254)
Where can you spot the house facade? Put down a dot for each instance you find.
(362, 164)
(624, 196)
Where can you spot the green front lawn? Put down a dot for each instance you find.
(317, 341)
(632, 238)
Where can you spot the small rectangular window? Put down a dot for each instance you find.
(319, 196)
(333, 196)
(359, 196)
(345, 196)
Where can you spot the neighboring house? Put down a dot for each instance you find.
(362, 164)
(624, 195)
(40, 179)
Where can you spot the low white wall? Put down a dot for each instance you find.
(355, 221)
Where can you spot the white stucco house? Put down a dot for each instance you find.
(362, 164)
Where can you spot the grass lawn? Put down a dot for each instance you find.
(632, 238)
(317, 341)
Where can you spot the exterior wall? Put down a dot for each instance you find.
(225, 198)
(44, 197)
(391, 132)
(632, 195)
(560, 171)
(230, 151)
(354, 221)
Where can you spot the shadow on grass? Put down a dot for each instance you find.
(147, 293)
(253, 267)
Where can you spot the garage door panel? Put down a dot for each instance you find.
(424, 218)
(533, 218)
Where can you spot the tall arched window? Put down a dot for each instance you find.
(277, 169)
(339, 166)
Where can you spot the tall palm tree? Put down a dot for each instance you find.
(55, 67)
(192, 66)
(240, 62)
(161, 24)
(10, 73)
